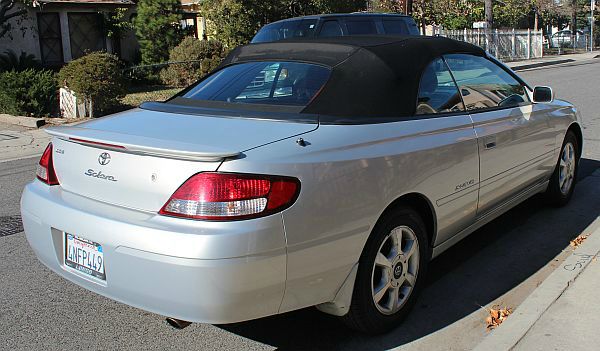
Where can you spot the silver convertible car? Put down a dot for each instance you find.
(318, 172)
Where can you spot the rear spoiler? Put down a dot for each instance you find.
(141, 145)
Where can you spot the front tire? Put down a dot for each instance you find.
(562, 182)
(390, 273)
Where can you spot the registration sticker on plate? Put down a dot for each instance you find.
(85, 256)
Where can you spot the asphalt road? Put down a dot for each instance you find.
(499, 264)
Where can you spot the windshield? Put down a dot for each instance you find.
(285, 29)
(269, 83)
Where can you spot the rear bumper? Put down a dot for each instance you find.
(211, 272)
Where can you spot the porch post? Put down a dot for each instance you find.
(65, 36)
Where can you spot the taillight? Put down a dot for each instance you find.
(230, 196)
(45, 169)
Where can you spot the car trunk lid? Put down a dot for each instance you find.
(139, 158)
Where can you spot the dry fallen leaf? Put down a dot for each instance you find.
(496, 317)
(578, 240)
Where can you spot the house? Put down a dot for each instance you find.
(192, 19)
(58, 31)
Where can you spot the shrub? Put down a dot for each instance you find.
(9, 61)
(29, 92)
(206, 54)
(97, 77)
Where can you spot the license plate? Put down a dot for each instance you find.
(85, 256)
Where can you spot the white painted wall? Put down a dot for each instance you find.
(22, 40)
(28, 40)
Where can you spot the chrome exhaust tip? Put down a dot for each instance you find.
(177, 323)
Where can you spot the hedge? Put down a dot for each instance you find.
(28, 93)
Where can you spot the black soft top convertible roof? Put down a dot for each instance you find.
(372, 76)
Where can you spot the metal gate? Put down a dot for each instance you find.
(50, 38)
(86, 33)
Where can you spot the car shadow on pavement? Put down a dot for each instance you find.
(476, 271)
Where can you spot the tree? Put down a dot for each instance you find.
(424, 12)
(512, 14)
(451, 14)
(336, 6)
(157, 28)
(116, 23)
(8, 12)
(388, 6)
(230, 22)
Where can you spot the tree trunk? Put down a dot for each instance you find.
(489, 18)
(489, 13)
(409, 7)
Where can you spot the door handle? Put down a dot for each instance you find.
(489, 143)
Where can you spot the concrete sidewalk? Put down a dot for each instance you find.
(551, 61)
(572, 322)
(17, 142)
(563, 313)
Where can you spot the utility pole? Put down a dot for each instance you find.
(592, 22)
(573, 23)
(536, 17)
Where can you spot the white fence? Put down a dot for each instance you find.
(507, 45)
(71, 106)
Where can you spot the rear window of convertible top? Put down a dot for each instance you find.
(265, 83)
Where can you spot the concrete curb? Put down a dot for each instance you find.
(508, 335)
(541, 64)
(31, 122)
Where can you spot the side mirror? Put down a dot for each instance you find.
(543, 94)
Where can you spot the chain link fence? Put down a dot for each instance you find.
(506, 45)
(563, 42)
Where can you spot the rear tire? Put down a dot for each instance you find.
(391, 272)
(562, 182)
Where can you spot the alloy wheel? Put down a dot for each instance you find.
(395, 270)
(566, 173)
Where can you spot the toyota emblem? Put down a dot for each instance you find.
(104, 158)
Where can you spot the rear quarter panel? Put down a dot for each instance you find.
(349, 174)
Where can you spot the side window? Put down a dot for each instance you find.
(412, 26)
(331, 29)
(437, 91)
(394, 27)
(306, 28)
(361, 27)
(485, 85)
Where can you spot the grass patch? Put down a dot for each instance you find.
(139, 94)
